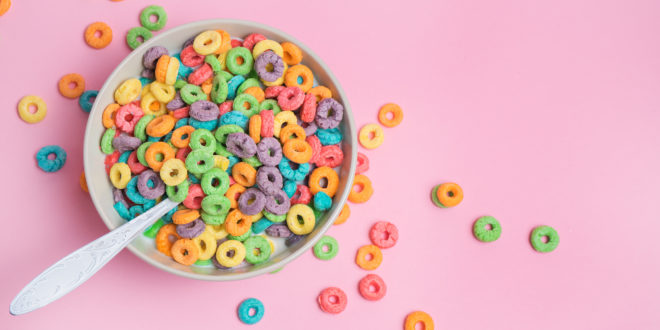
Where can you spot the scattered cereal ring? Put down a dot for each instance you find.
(383, 234)
(54, 164)
(83, 182)
(332, 300)
(538, 235)
(371, 136)
(449, 194)
(372, 287)
(147, 13)
(364, 189)
(185, 252)
(135, 34)
(250, 311)
(85, 100)
(163, 239)
(369, 251)
(390, 115)
(4, 6)
(362, 163)
(32, 101)
(64, 85)
(487, 229)
(418, 317)
(343, 215)
(292, 55)
(104, 35)
(326, 248)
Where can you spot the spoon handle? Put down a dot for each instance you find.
(74, 269)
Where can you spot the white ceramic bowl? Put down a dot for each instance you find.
(100, 188)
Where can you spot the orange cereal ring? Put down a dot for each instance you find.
(365, 189)
(244, 174)
(255, 128)
(321, 92)
(291, 54)
(449, 194)
(109, 115)
(184, 216)
(393, 110)
(343, 215)
(418, 317)
(160, 126)
(369, 257)
(329, 176)
(236, 223)
(71, 85)
(181, 136)
(158, 148)
(104, 38)
(161, 68)
(233, 193)
(207, 85)
(293, 131)
(4, 6)
(226, 42)
(83, 182)
(163, 238)
(292, 74)
(257, 92)
(297, 150)
(185, 252)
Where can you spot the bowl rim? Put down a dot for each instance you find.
(89, 143)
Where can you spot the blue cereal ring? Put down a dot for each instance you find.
(84, 100)
(122, 210)
(193, 178)
(167, 218)
(133, 194)
(153, 139)
(184, 71)
(290, 188)
(322, 201)
(291, 174)
(246, 306)
(181, 122)
(51, 165)
(144, 81)
(124, 157)
(234, 118)
(261, 225)
(135, 210)
(209, 125)
(232, 161)
(329, 136)
(232, 86)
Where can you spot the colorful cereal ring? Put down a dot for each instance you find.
(326, 248)
(51, 165)
(302, 71)
(449, 194)
(250, 311)
(487, 229)
(343, 215)
(418, 317)
(327, 174)
(163, 239)
(104, 35)
(369, 250)
(332, 300)
(135, 34)
(28, 102)
(147, 13)
(383, 234)
(537, 236)
(371, 136)
(364, 189)
(390, 115)
(230, 253)
(292, 55)
(64, 85)
(185, 252)
(85, 100)
(300, 219)
(372, 287)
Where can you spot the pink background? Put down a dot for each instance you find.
(546, 112)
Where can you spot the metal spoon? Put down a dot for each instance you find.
(76, 268)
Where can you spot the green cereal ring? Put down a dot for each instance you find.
(253, 161)
(159, 12)
(153, 230)
(140, 153)
(215, 182)
(250, 82)
(482, 233)
(242, 237)
(106, 141)
(199, 135)
(140, 127)
(434, 197)
(213, 62)
(224, 130)
(273, 217)
(199, 161)
(536, 238)
(239, 105)
(179, 192)
(135, 33)
(192, 93)
(253, 74)
(330, 244)
(213, 220)
(216, 205)
(200, 262)
(233, 66)
(226, 75)
(317, 213)
(270, 104)
(179, 84)
(222, 151)
(219, 90)
(257, 248)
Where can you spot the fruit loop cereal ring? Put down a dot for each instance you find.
(301, 195)
(85, 101)
(173, 172)
(383, 234)
(147, 13)
(158, 148)
(302, 71)
(487, 229)
(162, 92)
(300, 219)
(322, 202)
(194, 198)
(257, 249)
(255, 129)
(369, 257)
(111, 160)
(252, 40)
(257, 92)
(239, 61)
(230, 253)
(361, 189)
(544, 232)
(191, 94)
(190, 58)
(390, 115)
(332, 300)
(320, 92)
(418, 317)
(308, 112)
(178, 193)
(71, 85)
(4, 6)
(343, 215)
(267, 123)
(83, 182)
(184, 216)
(297, 151)
(128, 91)
(172, 71)
(371, 136)
(372, 287)
(237, 223)
(181, 136)
(329, 113)
(152, 55)
(218, 231)
(151, 106)
(48, 163)
(242, 100)
(200, 75)
(326, 248)
(32, 101)
(160, 126)
(269, 67)
(244, 174)
(199, 161)
(226, 42)
(292, 55)
(234, 191)
(106, 141)
(291, 98)
(219, 91)
(120, 174)
(109, 114)
(326, 174)
(165, 239)
(449, 194)
(185, 252)
(104, 35)
(265, 45)
(362, 163)
(137, 36)
(250, 311)
(207, 42)
(206, 244)
(292, 132)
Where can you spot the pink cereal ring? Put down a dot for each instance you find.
(127, 116)
(308, 112)
(332, 300)
(330, 156)
(231, 181)
(267, 123)
(372, 287)
(252, 40)
(194, 198)
(180, 113)
(302, 195)
(291, 98)
(190, 58)
(362, 163)
(182, 153)
(236, 43)
(200, 75)
(315, 143)
(272, 92)
(110, 160)
(226, 106)
(134, 164)
(383, 234)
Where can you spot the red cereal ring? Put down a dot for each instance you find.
(372, 287)
(127, 116)
(362, 163)
(200, 75)
(332, 300)
(252, 40)
(190, 58)
(225, 107)
(272, 92)
(180, 113)
(194, 198)
(302, 195)
(330, 156)
(308, 112)
(110, 160)
(291, 98)
(267, 123)
(182, 153)
(236, 43)
(134, 164)
(383, 234)
(315, 143)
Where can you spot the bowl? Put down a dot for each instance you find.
(100, 188)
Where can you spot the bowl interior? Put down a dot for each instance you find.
(101, 190)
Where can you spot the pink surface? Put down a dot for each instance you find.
(544, 112)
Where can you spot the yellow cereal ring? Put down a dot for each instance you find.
(24, 109)
(221, 162)
(151, 106)
(222, 58)
(222, 254)
(172, 71)
(265, 45)
(173, 172)
(371, 136)
(109, 115)
(145, 90)
(283, 117)
(162, 92)
(207, 42)
(120, 174)
(206, 244)
(218, 231)
(128, 91)
(300, 219)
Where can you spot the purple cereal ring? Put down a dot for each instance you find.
(125, 142)
(241, 145)
(293, 239)
(261, 63)
(118, 195)
(269, 179)
(153, 192)
(251, 201)
(310, 128)
(278, 230)
(176, 103)
(204, 110)
(191, 229)
(329, 113)
(278, 203)
(148, 73)
(269, 151)
(188, 42)
(152, 55)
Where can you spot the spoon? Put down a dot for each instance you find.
(76, 268)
